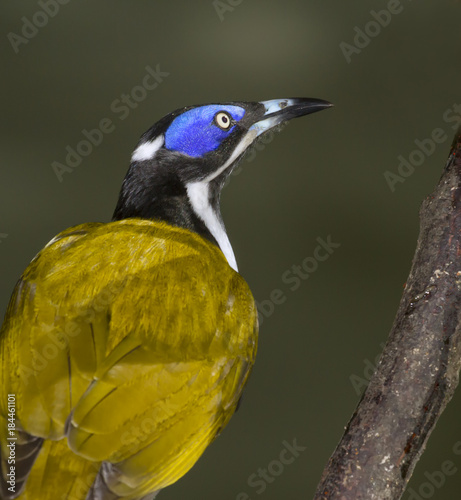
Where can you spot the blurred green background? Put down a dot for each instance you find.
(323, 175)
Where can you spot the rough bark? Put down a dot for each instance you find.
(418, 371)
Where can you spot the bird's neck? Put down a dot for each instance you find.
(194, 206)
(205, 204)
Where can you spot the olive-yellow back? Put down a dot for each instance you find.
(127, 346)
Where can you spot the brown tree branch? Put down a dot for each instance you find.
(418, 371)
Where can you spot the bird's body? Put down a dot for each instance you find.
(126, 345)
(84, 362)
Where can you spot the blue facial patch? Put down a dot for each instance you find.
(196, 133)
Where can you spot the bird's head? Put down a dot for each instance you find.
(181, 163)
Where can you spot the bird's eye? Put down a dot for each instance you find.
(223, 120)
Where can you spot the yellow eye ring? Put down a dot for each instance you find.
(223, 120)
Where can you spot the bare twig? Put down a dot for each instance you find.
(418, 371)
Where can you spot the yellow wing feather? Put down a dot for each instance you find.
(130, 342)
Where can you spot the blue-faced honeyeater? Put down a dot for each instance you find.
(126, 345)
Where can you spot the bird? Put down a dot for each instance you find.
(126, 344)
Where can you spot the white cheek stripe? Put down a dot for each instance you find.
(147, 150)
(198, 193)
(240, 149)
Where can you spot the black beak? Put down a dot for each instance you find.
(281, 110)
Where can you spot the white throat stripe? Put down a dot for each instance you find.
(198, 193)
